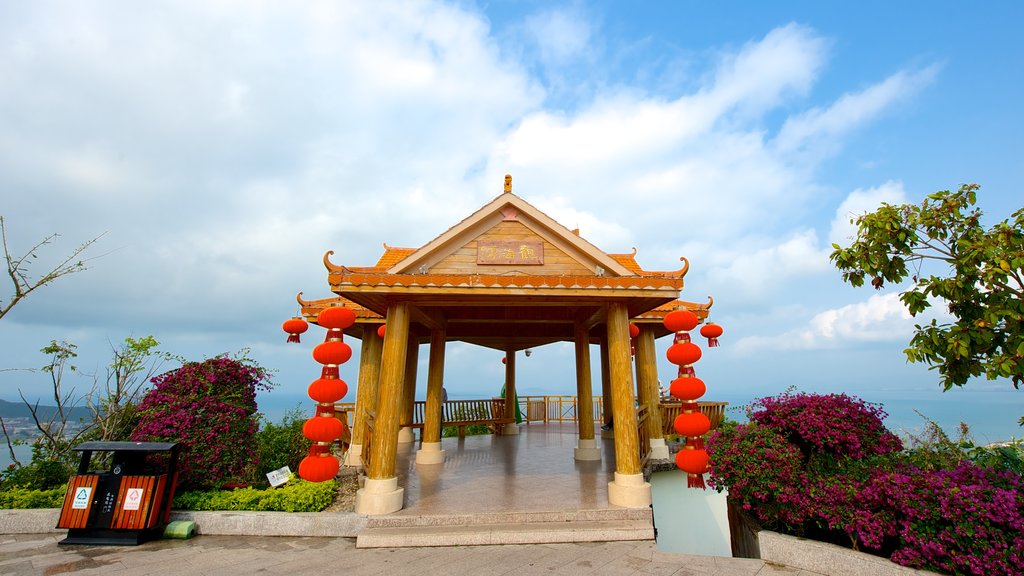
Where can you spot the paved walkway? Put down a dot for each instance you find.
(214, 555)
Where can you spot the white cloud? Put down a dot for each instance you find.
(881, 318)
(821, 126)
(758, 267)
(862, 201)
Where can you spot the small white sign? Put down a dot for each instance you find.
(279, 476)
(81, 501)
(133, 499)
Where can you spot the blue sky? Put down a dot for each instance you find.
(223, 147)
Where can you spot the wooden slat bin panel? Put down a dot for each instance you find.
(78, 501)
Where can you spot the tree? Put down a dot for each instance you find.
(978, 277)
(112, 407)
(17, 267)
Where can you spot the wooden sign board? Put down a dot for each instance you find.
(510, 252)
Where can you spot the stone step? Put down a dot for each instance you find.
(547, 532)
(482, 518)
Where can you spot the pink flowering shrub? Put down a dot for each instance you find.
(210, 407)
(839, 475)
(832, 423)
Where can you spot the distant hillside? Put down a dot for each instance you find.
(20, 410)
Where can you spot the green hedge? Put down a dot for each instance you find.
(25, 498)
(296, 496)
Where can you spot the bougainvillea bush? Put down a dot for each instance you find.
(210, 407)
(824, 466)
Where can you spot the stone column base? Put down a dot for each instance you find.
(510, 429)
(586, 449)
(430, 453)
(354, 456)
(659, 450)
(405, 435)
(629, 491)
(379, 497)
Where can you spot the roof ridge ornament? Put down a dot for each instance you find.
(331, 267)
(686, 267)
(508, 183)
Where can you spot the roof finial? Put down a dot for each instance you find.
(508, 183)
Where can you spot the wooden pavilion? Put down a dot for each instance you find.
(507, 277)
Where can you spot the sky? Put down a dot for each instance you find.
(221, 148)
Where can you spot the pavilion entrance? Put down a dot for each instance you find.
(509, 278)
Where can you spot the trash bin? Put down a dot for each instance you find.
(126, 505)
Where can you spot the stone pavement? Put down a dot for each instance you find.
(33, 554)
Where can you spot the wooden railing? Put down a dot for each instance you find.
(641, 434)
(715, 411)
(539, 409)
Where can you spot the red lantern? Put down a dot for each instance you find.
(634, 330)
(711, 331)
(327, 390)
(692, 424)
(692, 461)
(322, 429)
(681, 354)
(336, 317)
(294, 327)
(332, 353)
(381, 330)
(319, 468)
(681, 321)
(687, 388)
(504, 360)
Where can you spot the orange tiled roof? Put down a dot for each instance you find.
(393, 255)
(360, 277)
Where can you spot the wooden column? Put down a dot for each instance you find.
(648, 389)
(412, 358)
(629, 488)
(380, 493)
(606, 389)
(586, 449)
(510, 392)
(430, 450)
(366, 390)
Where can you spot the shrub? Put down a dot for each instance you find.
(31, 498)
(210, 408)
(968, 520)
(39, 474)
(296, 496)
(832, 423)
(280, 445)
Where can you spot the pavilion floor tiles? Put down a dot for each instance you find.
(533, 471)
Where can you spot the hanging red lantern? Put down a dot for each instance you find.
(336, 317)
(634, 330)
(332, 352)
(687, 388)
(327, 390)
(294, 327)
(681, 320)
(318, 468)
(683, 353)
(504, 360)
(322, 429)
(692, 461)
(711, 331)
(381, 330)
(691, 424)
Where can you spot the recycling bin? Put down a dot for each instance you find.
(126, 505)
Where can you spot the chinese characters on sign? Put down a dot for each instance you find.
(505, 252)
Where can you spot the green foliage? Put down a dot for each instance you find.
(40, 474)
(282, 444)
(32, 498)
(296, 496)
(981, 281)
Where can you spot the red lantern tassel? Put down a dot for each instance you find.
(712, 342)
(696, 481)
(293, 338)
(695, 442)
(330, 371)
(685, 371)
